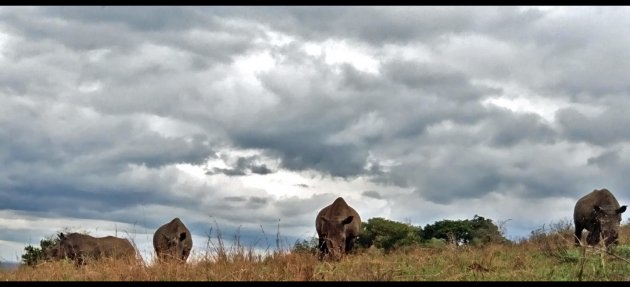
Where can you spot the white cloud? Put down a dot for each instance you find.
(541, 107)
(313, 49)
(248, 66)
(169, 127)
(368, 125)
(97, 55)
(413, 52)
(149, 55)
(4, 39)
(337, 52)
(278, 39)
(522, 100)
(89, 87)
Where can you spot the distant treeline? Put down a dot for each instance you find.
(378, 232)
(388, 234)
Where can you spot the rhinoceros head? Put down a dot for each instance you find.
(608, 220)
(176, 245)
(334, 234)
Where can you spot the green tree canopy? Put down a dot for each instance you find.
(479, 230)
(388, 234)
(34, 255)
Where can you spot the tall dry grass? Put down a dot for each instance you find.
(548, 255)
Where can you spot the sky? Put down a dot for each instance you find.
(246, 121)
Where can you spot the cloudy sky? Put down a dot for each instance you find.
(249, 120)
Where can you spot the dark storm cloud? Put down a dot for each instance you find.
(257, 202)
(71, 163)
(506, 129)
(65, 132)
(250, 203)
(300, 150)
(144, 18)
(459, 164)
(299, 131)
(372, 194)
(226, 171)
(18, 235)
(574, 49)
(379, 26)
(123, 29)
(261, 169)
(605, 159)
(235, 198)
(431, 93)
(89, 197)
(243, 166)
(444, 186)
(604, 129)
(433, 79)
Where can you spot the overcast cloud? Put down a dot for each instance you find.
(249, 120)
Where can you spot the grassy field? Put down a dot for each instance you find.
(547, 256)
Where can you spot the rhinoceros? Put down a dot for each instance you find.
(172, 241)
(338, 226)
(600, 214)
(82, 247)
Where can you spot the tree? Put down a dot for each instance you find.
(484, 231)
(306, 246)
(479, 230)
(453, 231)
(34, 255)
(388, 234)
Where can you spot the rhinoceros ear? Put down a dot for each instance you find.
(621, 209)
(347, 220)
(182, 236)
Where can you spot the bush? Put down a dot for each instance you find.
(434, 243)
(306, 246)
(34, 255)
(478, 231)
(388, 234)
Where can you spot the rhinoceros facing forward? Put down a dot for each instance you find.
(600, 214)
(172, 241)
(338, 226)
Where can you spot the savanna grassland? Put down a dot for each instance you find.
(545, 255)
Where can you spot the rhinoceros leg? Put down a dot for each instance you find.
(592, 238)
(323, 249)
(578, 233)
(350, 241)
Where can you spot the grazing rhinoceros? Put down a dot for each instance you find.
(600, 214)
(172, 241)
(81, 248)
(338, 226)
